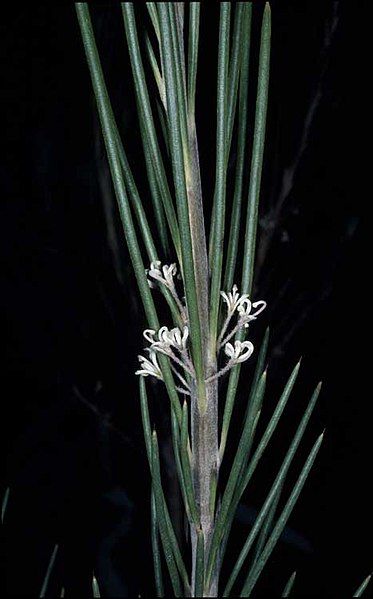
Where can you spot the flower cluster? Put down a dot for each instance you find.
(173, 342)
(165, 342)
(164, 275)
(242, 305)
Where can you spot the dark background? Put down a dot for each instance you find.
(72, 322)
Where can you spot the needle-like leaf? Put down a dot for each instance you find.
(289, 585)
(257, 153)
(232, 248)
(162, 522)
(216, 247)
(231, 393)
(187, 472)
(147, 127)
(281, 522)
(111, 144)
(155, 549)
(267, 525)
(240, 457)
(176, 447)
(4, 504)
(200, 564)
(162, 510)
(271, 427)
(277, 484)
(152, 10)
(360, 590)
(173, 95)
(239, 43)
(194, 14)
(95, 587)
(49, 571)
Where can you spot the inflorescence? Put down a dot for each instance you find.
(173, 343)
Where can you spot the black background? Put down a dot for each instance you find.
(72, 322)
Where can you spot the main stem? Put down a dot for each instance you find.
(204, 403)
(204, 426)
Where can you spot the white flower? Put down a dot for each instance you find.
(162, 274)
(163, 342)
(177, 338)
(240, 352)
(149, 367)
(167, 338)
(244, 309)
(233, 299)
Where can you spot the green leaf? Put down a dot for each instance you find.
(232, 389)
(200, 564)
(4, 504)
(267, 525)
(134, 195)
(271, 427)
(155, 68)
(240, 457)
(95, 587)
(359, 591)
(49, 571)
(173, 95)
(187, 472)
(281, 522)
(145, 419)
(216, 248)
(239, 43)
(155, 548)
(289, 585)
(162, 521)
(111, 144)
(152, 10)
(175, 430)
(257, 153)
(232, 248)
(194, 15)
(149, 437)
(110, 138)
(277, 484)
(151, 147)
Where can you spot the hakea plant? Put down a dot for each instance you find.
(209, 320)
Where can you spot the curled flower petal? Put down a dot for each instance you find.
(261, 304)
(229, 350)
(244, 355)
(244, 306)
(149, 335)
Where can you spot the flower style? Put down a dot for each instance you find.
(240, 352)
(244, 309)
(149, 367)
